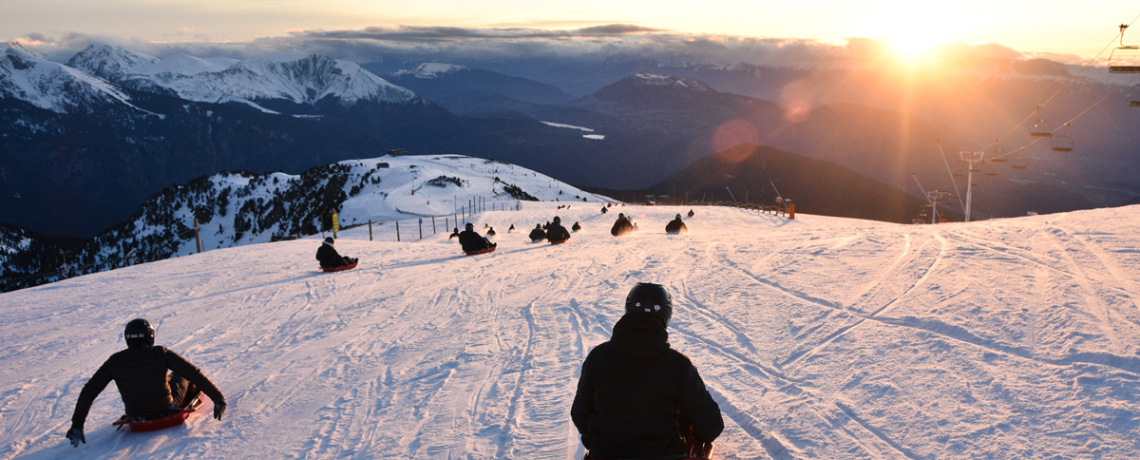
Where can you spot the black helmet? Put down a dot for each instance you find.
(557, 219)
(470, 226)
(139, 332)
(650, 298)
(329, 240)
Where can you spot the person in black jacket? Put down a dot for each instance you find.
(556, 233)
(472, 241)
(330, 258)
(676, 226)
(538, 234)
(622, 226)
(637, 397)
(140, 374)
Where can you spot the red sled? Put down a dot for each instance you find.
(174, 419)
(560, 241)
(340, 268)
(481, 251)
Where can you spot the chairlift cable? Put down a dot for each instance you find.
(1061, 126)
(1066, 85)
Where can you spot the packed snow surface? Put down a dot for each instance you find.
(820, 338)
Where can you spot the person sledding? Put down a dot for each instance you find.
(676, 226)
(538, 234)
(329, 258)
(638, 398)
(622, 226)
(556, 233)
(474, 242)
(140, 373)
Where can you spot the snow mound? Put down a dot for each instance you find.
(819, 338)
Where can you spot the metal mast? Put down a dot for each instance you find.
(972, 159)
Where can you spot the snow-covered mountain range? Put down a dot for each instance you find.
(239, 208)
(300, 79)
(30, 77)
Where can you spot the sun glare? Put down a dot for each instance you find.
(911, 30)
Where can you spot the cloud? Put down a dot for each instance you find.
(592, 44)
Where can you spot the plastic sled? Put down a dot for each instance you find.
(481, 251)
(340, 268)
(559, 241)
(174, 419)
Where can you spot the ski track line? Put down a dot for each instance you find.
(792, 360)
(1124, 283)
(1082, 279)
(752, 427)
(1011, 251)
(850, 413)
(886, 273)
(780, 381)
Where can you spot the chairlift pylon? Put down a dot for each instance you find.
(1122, 55)
(1063, 143)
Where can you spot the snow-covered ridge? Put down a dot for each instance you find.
(430, 70)
(301, 79)
(653, 79)
(236, 209)
(30, 77)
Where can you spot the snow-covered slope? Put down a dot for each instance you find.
(300, 79)
(820, 338)
(32, 78)
(430, 70)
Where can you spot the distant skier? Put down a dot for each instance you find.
(576, 227)
(512, 229)
(556, 233)
(472, 241)
(454, 234)
(691, 213)
(148, 392)
(330, 258)
(676, 226)
(605, 209)
(622, 226)
(538, 234)
(491, 233)
(637, 397)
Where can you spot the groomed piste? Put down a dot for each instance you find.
(820, 338)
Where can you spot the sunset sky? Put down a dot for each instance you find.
(1043, 26)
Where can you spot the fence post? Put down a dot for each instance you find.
(397, 231)
(198, 235)
(421, 228)
(432, 225)
(369, 229)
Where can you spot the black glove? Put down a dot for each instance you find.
(75, 435)
(219, 409)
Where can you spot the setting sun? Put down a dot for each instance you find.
(911, 29)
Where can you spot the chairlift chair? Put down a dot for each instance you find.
(1018, 167)
(1121, 59)
(999, 160)
(1041, 128)
(991, 174)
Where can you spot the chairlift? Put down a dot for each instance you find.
(1123, 56)
(1063, 143)
(1041, 128)
(991, 174)
(999, 160)
(1018, 167)
(1134, 103)
(974, 171)
(958, 175)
